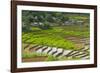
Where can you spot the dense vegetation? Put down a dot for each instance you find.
(45, 20)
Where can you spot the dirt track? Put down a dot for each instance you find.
(35, 59)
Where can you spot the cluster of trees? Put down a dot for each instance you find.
(45, 20)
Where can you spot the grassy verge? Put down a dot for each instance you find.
(34, 55)
(48, 57)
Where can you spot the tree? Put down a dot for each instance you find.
(45, 19)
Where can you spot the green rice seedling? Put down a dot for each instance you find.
(55, 37)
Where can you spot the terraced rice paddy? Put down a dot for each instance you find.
(58, 43)
(41, 53)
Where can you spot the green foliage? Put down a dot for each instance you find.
(45, 26)
(51, 58)
(48, 57)
(55, 37)
(29, 55)
(49, 18)
(34, 55)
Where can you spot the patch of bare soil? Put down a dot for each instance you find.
(79, 42)
(35, 59)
